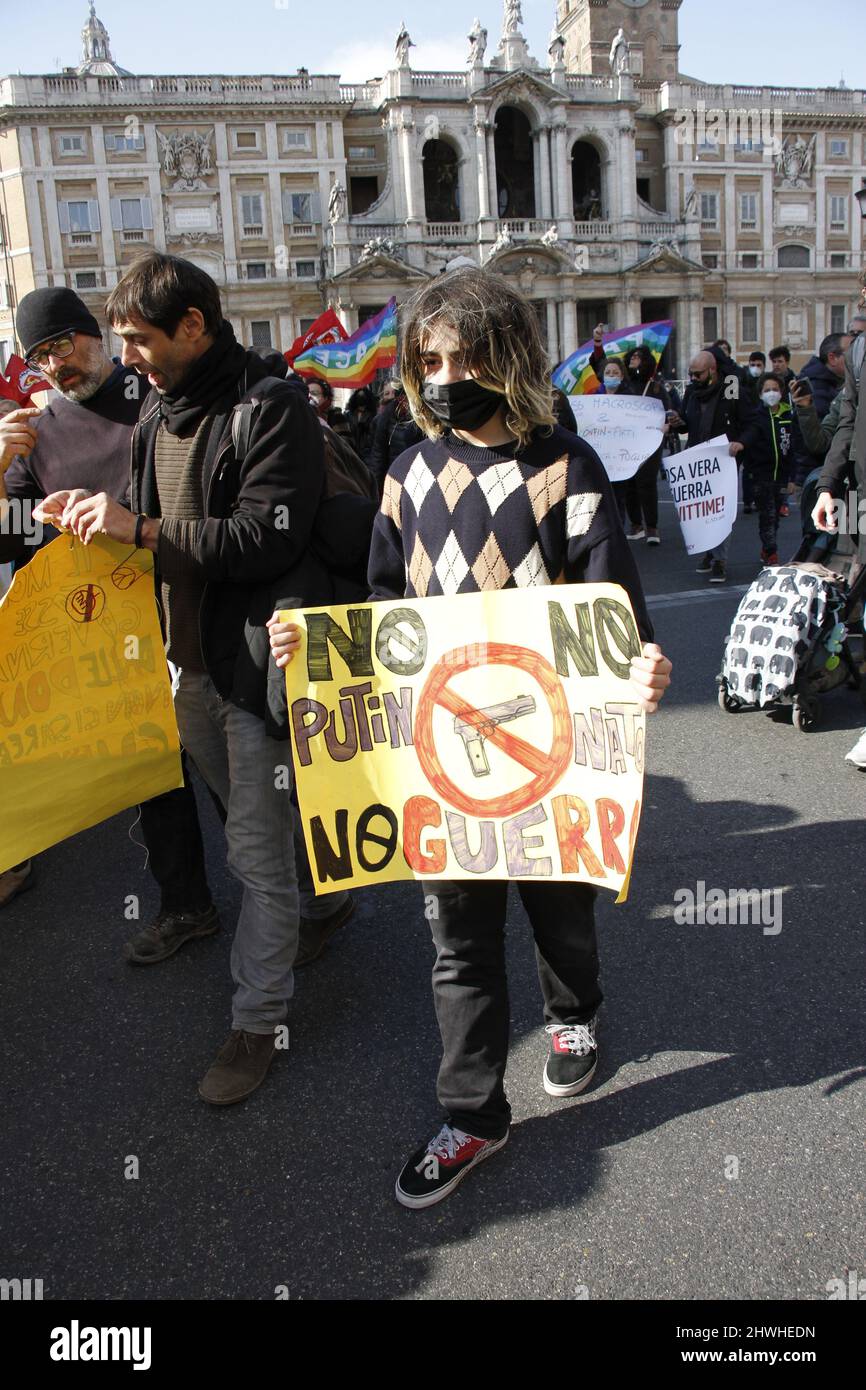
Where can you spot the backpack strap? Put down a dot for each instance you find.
(244, 413)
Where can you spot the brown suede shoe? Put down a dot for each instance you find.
(16, 880)
(314, 936)
(240, 1068)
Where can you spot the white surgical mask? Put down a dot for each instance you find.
(755, 371)
(771, 398)
(612, 382)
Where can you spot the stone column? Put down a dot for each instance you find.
(481, 166)
(55, 241)
(411, 168)
(696, 329)
(491, 171)
(552, 333)
(536, 173)
(109, 257)
(819, 259)
(227, 205)
(282, 269)
(569, 328)
(544, 161)
(152, 156)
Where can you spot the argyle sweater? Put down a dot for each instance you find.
(455, 519)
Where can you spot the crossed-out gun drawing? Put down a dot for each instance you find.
(474, 734)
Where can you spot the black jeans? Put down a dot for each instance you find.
(470, 989)
(766, 495)
(169, 824)
(641, 498)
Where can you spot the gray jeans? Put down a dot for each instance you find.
(240, 763)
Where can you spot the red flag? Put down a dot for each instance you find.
(326, 329)
(21, 381)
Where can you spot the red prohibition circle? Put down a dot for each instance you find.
(548, 767)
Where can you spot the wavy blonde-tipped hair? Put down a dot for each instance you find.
(498, 336)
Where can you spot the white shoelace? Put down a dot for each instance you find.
(447, 1142)
(579, 1038)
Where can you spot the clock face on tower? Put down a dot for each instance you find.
(635, 4)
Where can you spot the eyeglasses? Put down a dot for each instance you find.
(699, 377)
(61, 347)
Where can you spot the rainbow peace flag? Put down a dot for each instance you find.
(356, 361)
(576, 377)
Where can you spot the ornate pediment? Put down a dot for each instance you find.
(521, 83)
(381, 266)
(666, 256)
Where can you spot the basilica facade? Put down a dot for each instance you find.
(603, 181)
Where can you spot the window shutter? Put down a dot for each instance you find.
(288, 217)
(109, 141)
(63, 214)
(147, 214)
(93, 209)
(116, 215)
(316, 205)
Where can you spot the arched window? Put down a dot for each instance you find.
(586, 189)
(441, 182)
(794, 258)
(515, 169)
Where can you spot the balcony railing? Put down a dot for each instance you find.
(596, 230)
(450, 231)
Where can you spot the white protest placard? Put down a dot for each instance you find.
(624, 430)
(703, 484)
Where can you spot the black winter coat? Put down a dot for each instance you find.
(246, 547)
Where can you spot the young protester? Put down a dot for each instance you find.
(777, 457)
(495, 467)
(641, 498)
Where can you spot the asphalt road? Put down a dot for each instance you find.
(724, 1049)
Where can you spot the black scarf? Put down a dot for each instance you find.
(211, 377)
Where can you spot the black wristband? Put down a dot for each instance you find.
(139, 527)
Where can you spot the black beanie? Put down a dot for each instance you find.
(44, 314)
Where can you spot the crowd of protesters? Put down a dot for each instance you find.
(221, 441)
(474, 393)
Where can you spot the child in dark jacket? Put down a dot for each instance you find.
(776, 456)
(495, 467)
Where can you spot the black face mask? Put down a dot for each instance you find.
(635, 373)
(462, 405)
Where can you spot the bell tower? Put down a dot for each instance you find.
(651, 28)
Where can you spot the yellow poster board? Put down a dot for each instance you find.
(490, 735)
(87, 725)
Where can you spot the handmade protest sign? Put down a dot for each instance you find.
(490, 735)
(703, 484)
(624, 430)
(87, 725)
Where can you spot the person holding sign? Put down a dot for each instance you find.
(497, 496)
(713, 406)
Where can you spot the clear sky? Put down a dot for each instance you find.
(795, 43)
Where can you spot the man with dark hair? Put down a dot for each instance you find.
(84, 438)
(780, 362)
(229, 522)
(826, 372)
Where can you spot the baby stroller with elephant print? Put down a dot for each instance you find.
(790, 640)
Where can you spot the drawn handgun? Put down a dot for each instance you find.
(473, 735)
